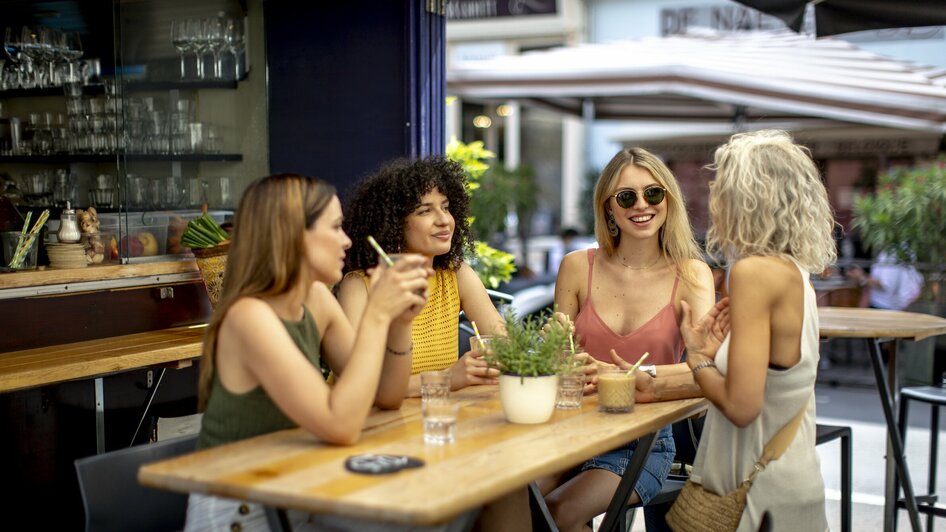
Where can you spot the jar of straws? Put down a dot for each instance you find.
(20, 246)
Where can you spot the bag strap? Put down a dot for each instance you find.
(779, 443)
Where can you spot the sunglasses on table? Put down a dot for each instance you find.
(653, 195)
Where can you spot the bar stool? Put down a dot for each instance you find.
(826, 433)
(935, 396)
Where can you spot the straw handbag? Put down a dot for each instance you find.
(699, 510)
(212, 263)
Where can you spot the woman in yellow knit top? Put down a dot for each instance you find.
(422, 207)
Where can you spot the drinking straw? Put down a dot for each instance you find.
(476, 332)
(571, 340)
(25, 242)
(377, 247)
(634, 367)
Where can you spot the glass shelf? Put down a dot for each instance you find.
(131, 86)
(110, 157)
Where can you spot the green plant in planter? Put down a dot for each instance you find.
(527, 350)
(906, 215)
(491, 265)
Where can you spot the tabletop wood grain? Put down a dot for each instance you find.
(293, 469)
(844, 322)
(95, 358)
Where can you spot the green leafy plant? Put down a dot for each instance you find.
(491, 265)
(527, 350)
(906, 215)
(501, 190)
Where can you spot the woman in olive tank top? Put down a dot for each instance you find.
(277, 318)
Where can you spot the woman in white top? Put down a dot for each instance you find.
(772, 223)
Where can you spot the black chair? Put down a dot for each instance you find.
(935, 396)
(115, 501)
(826, 433)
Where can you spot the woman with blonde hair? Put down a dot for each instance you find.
(626, 298)
(772, 222)
(277, 318)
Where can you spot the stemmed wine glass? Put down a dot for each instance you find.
(213, 35)
(181, 40)
(233, 36)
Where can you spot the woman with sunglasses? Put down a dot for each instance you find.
(625, 298)
(422, 207)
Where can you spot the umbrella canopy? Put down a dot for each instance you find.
(843, 16)
(747, 77)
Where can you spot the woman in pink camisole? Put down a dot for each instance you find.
(627, 296)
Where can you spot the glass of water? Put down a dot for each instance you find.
(434, 385)
(440, 420)
(571, 386)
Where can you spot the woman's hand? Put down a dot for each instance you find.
(399, 291)
(559, 319)
(705, 336)
(472, 369)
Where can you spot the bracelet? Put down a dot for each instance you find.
(399, 353)
(708, 363)
(649, 369)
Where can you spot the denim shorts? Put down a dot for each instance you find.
(655, 470)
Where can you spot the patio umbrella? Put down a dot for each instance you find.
(842, 16)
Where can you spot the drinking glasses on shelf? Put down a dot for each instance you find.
(214, 37)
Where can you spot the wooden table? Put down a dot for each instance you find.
(95, 359)
(878, 327)
(292, 469)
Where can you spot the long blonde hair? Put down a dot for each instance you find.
(768, 199)
(676, 235)
(266, 251)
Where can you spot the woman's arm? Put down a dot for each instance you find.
(572, 274)
(470, 369)
(753, 288)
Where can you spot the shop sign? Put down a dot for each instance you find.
(479, 9)
(727, 18)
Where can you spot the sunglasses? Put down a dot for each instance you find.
(653, 195)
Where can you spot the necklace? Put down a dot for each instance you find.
(629, 267)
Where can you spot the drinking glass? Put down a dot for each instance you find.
(434, 385)
(234, 37)
(181, 41)
(615, 390)
(440, 420)
(571, 386)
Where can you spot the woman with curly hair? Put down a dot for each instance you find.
(772, 222)
(626, 298)
(422, 207)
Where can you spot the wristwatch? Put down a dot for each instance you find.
(649, 369)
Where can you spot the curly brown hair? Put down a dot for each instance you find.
(381, 203)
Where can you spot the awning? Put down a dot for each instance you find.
(752, 77)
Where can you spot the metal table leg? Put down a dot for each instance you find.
(888, 389)
(148, 400)
(99, 416)
(277, 519)
(541, 516)
(614, 519)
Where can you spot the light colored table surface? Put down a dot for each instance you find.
(292, 469)
(843, 322)
(95, 358)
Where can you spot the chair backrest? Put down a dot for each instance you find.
(113, 498)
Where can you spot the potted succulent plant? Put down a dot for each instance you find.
(529, 360)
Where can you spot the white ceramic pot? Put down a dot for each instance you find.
(528, 399)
